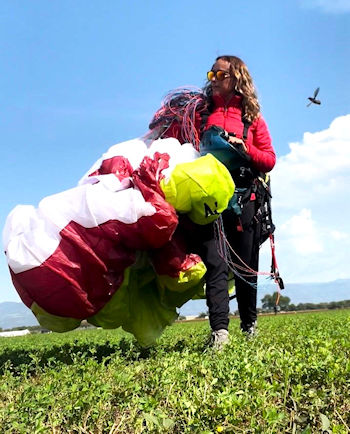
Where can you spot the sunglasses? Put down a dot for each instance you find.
(219, 75)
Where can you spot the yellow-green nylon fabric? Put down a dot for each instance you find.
(201, 189)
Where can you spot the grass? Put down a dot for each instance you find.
(293, 378)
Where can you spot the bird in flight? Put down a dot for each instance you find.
(313, 99)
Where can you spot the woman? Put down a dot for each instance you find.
(233, 107)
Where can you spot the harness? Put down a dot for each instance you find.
(259, 192)
(251, 186)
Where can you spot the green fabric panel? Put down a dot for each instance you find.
(55, 323)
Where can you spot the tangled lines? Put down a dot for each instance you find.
(187, 106)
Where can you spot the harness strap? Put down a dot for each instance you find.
(246, 126)
(275, 272)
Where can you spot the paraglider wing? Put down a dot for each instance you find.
(107, 250)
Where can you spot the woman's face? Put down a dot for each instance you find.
(225, 88)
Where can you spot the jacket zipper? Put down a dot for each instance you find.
(225, 116)
(225, 111)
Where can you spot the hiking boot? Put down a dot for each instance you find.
(219, 338)
(250, 330)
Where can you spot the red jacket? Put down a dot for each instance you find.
(229, 117)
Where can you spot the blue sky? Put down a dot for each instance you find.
(79, 76)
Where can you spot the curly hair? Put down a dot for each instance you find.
(244, 86)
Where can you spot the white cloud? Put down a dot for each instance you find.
(311, 207)
(300, 231)
(339, 235)
(328, 6)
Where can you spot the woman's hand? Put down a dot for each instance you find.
(235, 141)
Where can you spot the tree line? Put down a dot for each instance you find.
(269, 304)
(284, 304)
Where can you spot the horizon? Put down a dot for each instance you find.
(78, 78)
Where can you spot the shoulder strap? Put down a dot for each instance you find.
(246, 126)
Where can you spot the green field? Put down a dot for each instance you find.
(293, 378)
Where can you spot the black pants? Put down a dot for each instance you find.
(246, 246)
(201, 240)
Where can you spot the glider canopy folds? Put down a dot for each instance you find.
(109, 250)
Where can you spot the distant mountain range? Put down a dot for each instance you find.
(17, 314)
(14, 314)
